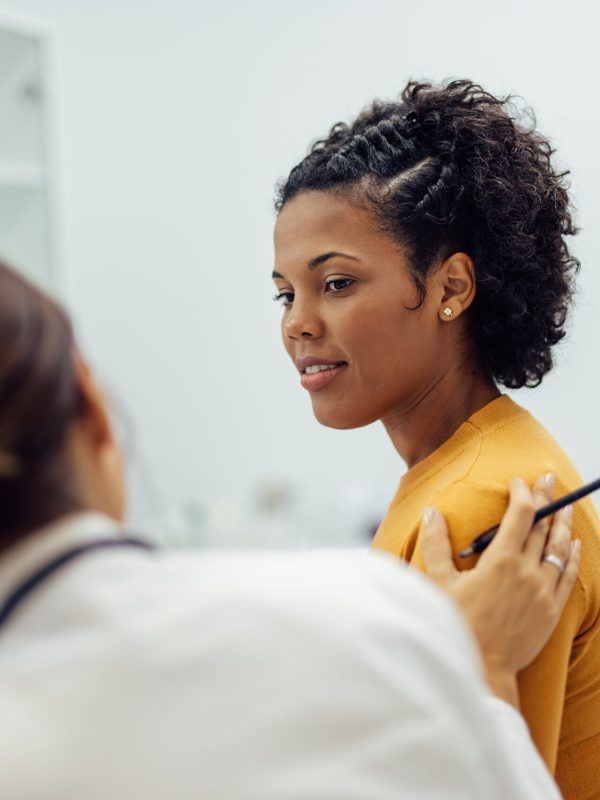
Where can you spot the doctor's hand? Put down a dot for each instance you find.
(512, 599)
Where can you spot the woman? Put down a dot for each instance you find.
(420, 257)
(126, 674)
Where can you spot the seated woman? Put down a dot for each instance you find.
(421, 260)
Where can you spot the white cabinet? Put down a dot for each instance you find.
(28, 239)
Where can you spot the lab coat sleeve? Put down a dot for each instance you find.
(476, 744)
(528, 764)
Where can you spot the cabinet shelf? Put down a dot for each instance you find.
(22, 175)
(28, 217)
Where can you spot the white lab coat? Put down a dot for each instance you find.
(213, 676)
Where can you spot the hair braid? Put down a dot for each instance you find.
(442, 197)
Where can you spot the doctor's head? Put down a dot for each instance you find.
(424, 240)
(57, 451)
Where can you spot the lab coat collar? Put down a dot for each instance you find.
(44, 544)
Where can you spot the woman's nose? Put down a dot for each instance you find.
(301, 322)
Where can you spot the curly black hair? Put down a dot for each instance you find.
(452, 168)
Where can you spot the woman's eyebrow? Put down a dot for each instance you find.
(318, 260)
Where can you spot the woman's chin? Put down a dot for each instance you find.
(341, 418)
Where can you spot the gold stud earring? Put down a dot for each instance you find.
(447, 312)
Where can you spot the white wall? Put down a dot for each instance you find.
(176, 118)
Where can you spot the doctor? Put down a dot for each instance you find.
(127, 672)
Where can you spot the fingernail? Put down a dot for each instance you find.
(427, 516)
(568, 512)
(549, 481)
(576, 545)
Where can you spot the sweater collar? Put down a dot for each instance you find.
(498, 412)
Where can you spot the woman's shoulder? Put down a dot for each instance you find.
(513, 443)
(477, 503)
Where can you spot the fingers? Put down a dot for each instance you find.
(435, 544)
(518, 518)
(558, 545)
(569, 576)
(542, 492)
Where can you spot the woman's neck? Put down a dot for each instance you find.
(420, 427)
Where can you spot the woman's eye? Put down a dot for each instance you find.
(338, 284)
(285, 298)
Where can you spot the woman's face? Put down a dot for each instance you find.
(347, 291)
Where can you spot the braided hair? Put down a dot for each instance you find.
(452, 168)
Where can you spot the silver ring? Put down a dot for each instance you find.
(555, 561)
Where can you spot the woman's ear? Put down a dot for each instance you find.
(96, 456)
(94, 415)
(455, 280)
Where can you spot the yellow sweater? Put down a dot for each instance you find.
(466, 479)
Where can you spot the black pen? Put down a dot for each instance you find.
(479, 544)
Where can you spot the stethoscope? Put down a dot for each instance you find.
(33, 581)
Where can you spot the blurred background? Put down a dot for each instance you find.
(139, 147)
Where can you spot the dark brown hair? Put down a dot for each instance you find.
(39, 399)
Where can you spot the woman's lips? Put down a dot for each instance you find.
(312, 382)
